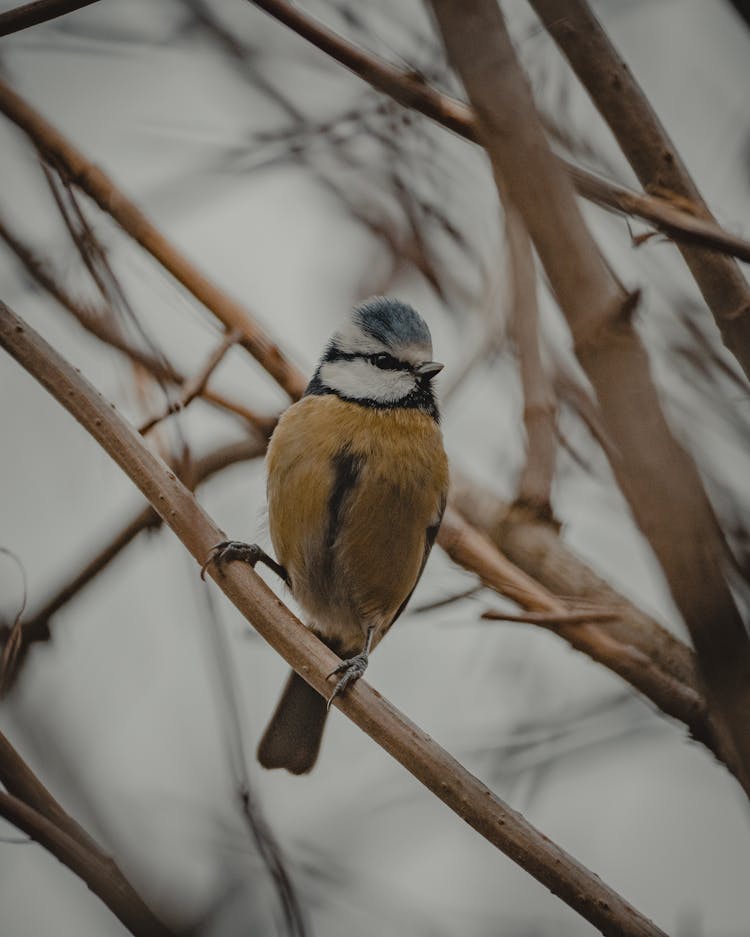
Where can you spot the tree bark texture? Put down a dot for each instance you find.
(411, 746)
(656, 475)
(649, 150)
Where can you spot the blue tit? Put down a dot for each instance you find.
(357, 485)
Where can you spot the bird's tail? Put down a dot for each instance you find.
(292, 738)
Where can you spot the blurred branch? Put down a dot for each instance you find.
(100, 325)
(194, 386)
(537, 549)
(411, 91)
(31, 14)
(652, 154)
(539, 405)
(550, 618)
(94, 869)
(11, 647)
(406, 742)
(36, 628)
(658, 478)
(61, 153)
(260, 830)
(611, 644)
(30, 806)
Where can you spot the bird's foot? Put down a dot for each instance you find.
(351, 670)
(230, 550)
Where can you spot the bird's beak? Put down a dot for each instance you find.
(429, 369)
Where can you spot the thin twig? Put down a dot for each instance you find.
(12, 647)
(448, 600)
(194, 386)
(411, 91)
(81, 172)
(96, 321)
(411, 746)
(262, 834)
(474, 551)
(40, 11)
(652, 154)
(551, 619)
(36, 628)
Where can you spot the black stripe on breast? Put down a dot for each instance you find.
(346, 469)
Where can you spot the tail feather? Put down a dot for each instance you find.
(292, 738)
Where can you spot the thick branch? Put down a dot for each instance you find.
(633, 646)
(649, 150)
(61, 153)
(429, 763)
(70, 842)
(538, 550)
(411, 91)
(610, 644)
(539, 405)
(657, 477)
(40, 11)
(96, 870)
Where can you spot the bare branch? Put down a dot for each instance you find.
(94, 869)
(40, 11)
(195, 386)
(649, 150)
(406, 742)
(61, 153)
(607, 643)
(656, 475)
(36, 628)
(98, 324)
(550, 618)
(14, 640)
(30, 806)
(411, 91)
(539, 405)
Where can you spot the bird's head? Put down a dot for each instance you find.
(381, 356)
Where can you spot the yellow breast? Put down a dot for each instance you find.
(354, 552)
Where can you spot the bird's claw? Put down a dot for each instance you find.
(352, 669)
(229, 550)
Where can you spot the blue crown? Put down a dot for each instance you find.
(392, 322)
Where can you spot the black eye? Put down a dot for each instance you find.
(385, 362)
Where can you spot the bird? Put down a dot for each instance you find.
(357, 482)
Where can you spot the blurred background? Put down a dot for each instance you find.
(301, 191)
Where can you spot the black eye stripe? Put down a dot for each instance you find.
(381, 360)
(387, 362)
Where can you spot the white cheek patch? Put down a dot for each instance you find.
(361, 380)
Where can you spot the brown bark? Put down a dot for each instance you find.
(30, 806)
(613, 643)
(656, 475)
(406, 742)
(61, 153)
(37, 626)
(649, 150)
(98, 323)
(539, 405)
(411, 91)
(40, 11)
